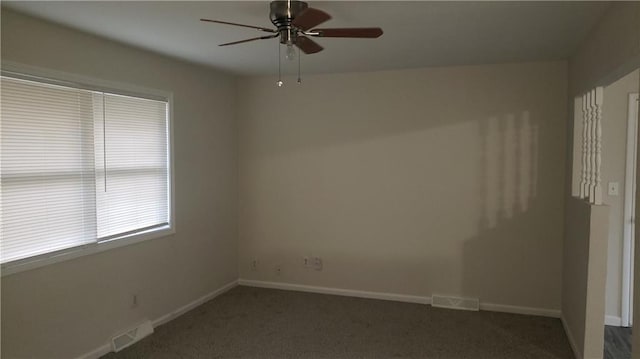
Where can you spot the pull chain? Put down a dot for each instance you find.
(299, 56)
(279, 68)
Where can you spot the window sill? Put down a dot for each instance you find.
(42, 260)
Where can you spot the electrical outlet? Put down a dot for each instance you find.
(306, 262)
(254, 265)
(614, 189)
(317, 263)
(278, 270)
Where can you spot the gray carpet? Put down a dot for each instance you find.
(266, 323)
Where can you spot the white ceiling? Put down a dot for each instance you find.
(416, 34)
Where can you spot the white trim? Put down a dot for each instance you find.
(394, 297)
(336, 291)
(577, 353)
(514, 309)
(612, 320)
(629, 212)
(97, 247)
(107, 348)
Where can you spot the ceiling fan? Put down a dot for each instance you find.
(295, 23)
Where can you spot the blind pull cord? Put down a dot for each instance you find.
(104, 139)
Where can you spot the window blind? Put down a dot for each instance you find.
(78, 167)
(131, 164)
(47, 182)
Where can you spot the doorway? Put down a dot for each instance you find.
(620, 137)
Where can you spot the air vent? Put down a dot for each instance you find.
(442, 301)
(134, 335)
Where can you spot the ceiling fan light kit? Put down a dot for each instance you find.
(295, 23)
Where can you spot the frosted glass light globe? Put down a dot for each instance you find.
(291, 53)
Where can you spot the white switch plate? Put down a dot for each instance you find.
(614, 189)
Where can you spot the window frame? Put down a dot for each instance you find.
(55, 77)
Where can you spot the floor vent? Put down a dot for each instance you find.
(442, 301)
(134, 335)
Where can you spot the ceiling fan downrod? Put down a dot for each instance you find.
(282, 13)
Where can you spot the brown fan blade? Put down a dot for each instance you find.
(364, 32)
(252, 39)
(234, 24)
(307, 45)
(309, 18)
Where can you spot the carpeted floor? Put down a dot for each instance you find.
(266, 323)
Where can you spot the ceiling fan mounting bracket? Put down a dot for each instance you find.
(282, 14)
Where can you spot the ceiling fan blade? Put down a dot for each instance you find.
(307, 45)
(309, 18)
(234, 24)
(252, 39)
(364, 32)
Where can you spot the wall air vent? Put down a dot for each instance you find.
(131, 336)
(442, 301)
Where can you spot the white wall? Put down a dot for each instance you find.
(614, 147)
(439, 180)
(66, 309)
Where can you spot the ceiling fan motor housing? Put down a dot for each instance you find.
(281, 15)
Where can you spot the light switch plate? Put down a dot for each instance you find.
(614, 189)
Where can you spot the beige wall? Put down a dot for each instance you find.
(440, 180)
(584, 277)
(66, 309)
(574, 274)
(614, 155)
(596, 283)
(611, 51)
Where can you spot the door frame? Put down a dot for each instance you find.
(629, 212)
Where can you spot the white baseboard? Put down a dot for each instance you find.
(106, 348)
(612, 320)
(541, 312)
(577, 353)
(336, 291)
(394, 297)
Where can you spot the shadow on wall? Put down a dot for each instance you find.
(508, 167)
(504, 257)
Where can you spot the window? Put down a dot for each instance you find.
(79, 167)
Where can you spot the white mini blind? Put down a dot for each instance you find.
(47, 182)
(131, 165)
(78, 167)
